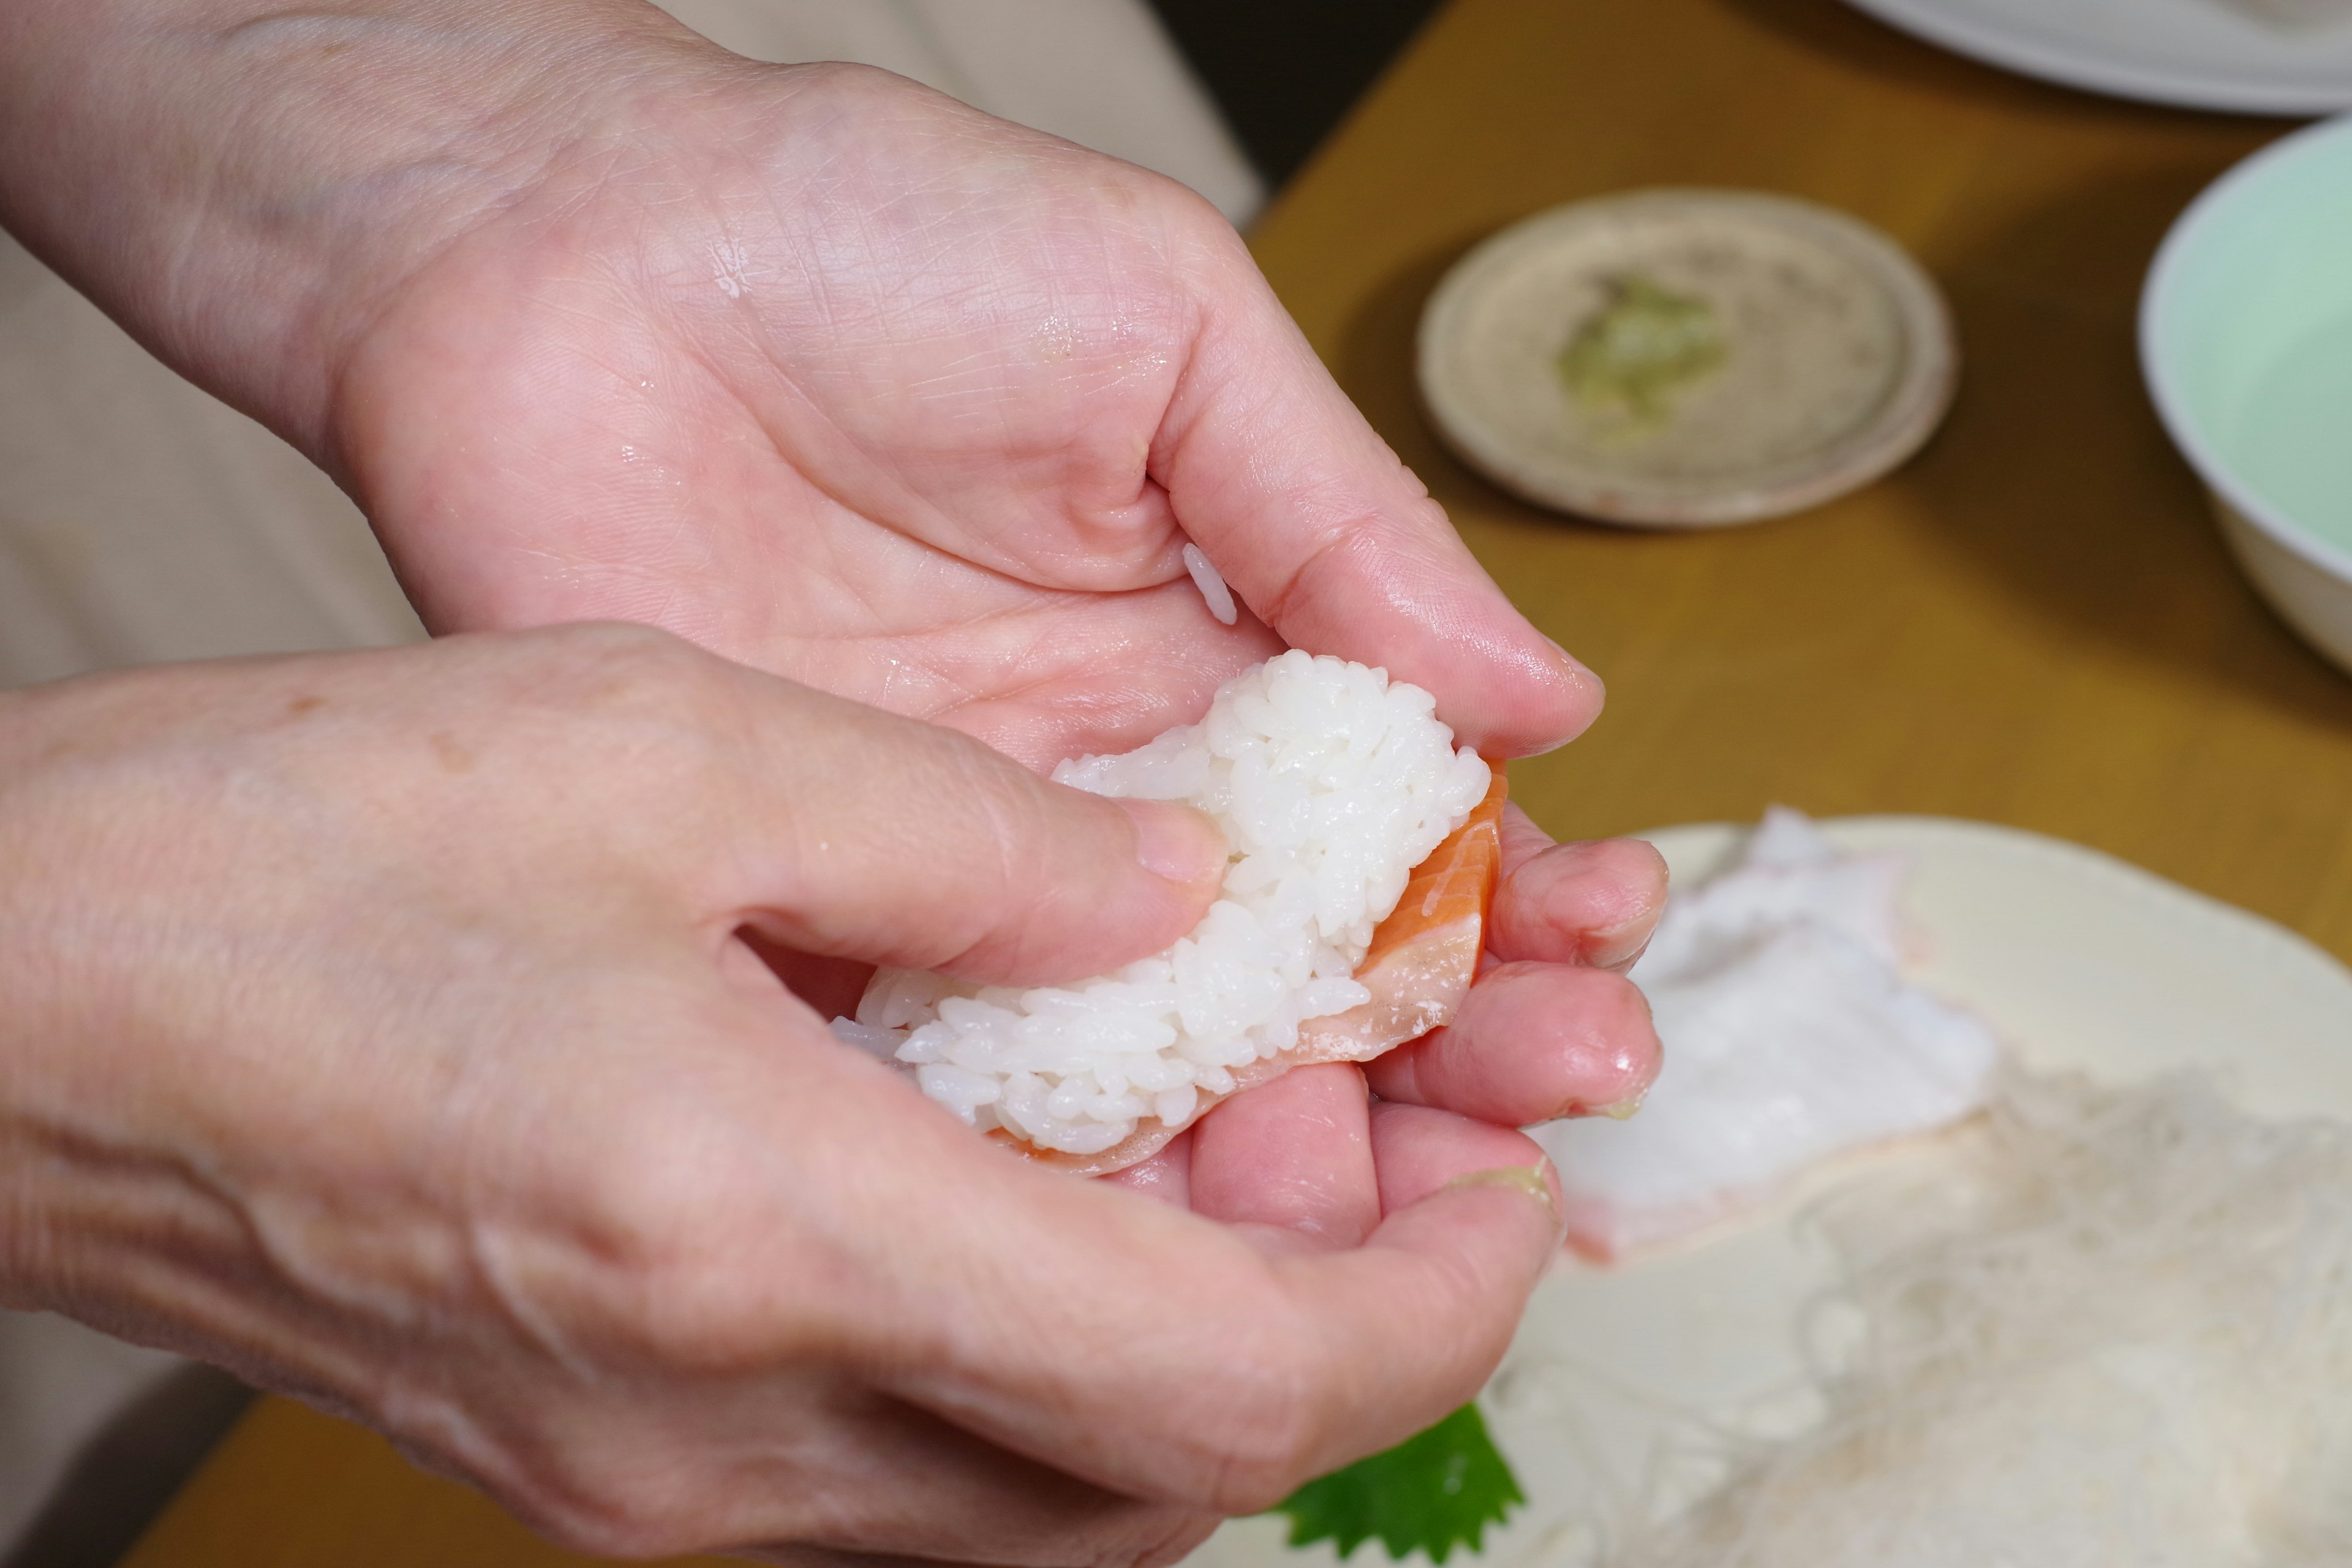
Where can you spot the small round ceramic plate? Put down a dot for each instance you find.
(1686, 358)
(2081, 962)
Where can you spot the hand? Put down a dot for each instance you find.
(851, 381)
(385, 1027)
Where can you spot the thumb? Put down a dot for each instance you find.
(1335, 543)
(859, 834)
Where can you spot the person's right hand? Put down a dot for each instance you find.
(389, 1027)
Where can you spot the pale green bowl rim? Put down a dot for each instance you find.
(2215, 207)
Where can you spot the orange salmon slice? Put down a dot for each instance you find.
(1418, 968)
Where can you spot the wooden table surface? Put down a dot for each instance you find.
(2034, 623)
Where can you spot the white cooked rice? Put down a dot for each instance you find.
(1332, 783)
(1211, 584)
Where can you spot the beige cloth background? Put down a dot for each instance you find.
(1100, 72)
(141, 521)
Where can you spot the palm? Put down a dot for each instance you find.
(926, 479)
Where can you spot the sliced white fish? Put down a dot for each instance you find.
(1790, 1038)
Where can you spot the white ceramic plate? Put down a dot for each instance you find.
(2081, 961)
(2200, 54)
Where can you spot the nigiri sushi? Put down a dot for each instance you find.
(1365, 849)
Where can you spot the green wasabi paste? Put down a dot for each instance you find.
(1646, 344)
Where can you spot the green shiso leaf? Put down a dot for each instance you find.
(1433, 1492)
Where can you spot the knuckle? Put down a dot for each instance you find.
(700, 1316)
(1266, 1432)
(1266, 1456)
(585, 1493)
(669, 1238)
(674, 1309)
(851, 81)
(1627, 890)
(636, 709)
(607, 1521)
(1022, 853)
(1190, 218)
(621, 664)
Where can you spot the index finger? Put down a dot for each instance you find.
(1334, 543)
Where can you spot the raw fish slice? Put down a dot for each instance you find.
(1418, 969)
(1787, 873)
(1790, 1039)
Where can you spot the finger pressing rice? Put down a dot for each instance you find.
(1364, 852)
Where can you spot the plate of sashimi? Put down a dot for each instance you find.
(1993, 1206)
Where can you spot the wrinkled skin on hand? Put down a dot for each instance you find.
(382, 1026)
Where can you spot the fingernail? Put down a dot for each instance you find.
(1621, 965)
(1624, 1110)
(1528, 1179)
(1176, 843)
